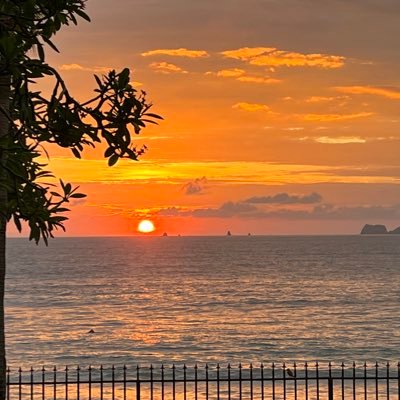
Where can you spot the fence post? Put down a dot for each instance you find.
(137, 383)
(330, 389)
(137, 390)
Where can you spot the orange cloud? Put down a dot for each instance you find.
(258, 79)
(320, 99)
(79, 67)
(231, 73)
(247, 53)
(272, 57)
(340, 140)
(225, 172)
(251, 107)
(182, 52)
(389, 93)
(240, 75)
(167, 68)
(333, 117)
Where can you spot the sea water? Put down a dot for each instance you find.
(203, 299)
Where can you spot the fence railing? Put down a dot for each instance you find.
(239, 382)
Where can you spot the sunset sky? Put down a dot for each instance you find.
(281, 116)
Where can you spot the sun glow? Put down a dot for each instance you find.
(145, 226)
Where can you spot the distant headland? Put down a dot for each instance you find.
(378, 230)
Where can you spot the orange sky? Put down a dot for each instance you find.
(281, 117)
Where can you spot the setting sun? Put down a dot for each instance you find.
(146, 226)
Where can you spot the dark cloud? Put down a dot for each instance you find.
(331, 212)
(227, 210)
(320, 212)
(286, 198)
(172, 212)
(196, 186)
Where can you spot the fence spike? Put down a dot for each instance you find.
(362, 373)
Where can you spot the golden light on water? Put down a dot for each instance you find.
(146, 226)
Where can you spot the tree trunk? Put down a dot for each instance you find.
(5, 82)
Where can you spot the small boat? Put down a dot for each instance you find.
(165, 234)
(228, 233)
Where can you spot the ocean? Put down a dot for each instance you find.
(203, 299)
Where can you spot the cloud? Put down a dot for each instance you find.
(227, 210)
(167, 68)
(340, 140)
(327, 211)
(258, 79)
(247, 53)
(272, 57)
(171, 212)
(79, 67)
(182, 52)
(196, 186)
(384, 92)
(333, 117)
(320, 99)
(286, 198)
(231, 73)
(240, 75)
(251, 107)
(331, 212)
(349, 139)
(319, 212)
(294, 128)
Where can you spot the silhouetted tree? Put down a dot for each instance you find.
(29, 119)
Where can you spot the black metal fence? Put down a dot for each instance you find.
(239, 382)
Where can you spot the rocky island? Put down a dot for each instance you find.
(378, 230)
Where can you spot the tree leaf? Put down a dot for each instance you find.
(113, 160)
